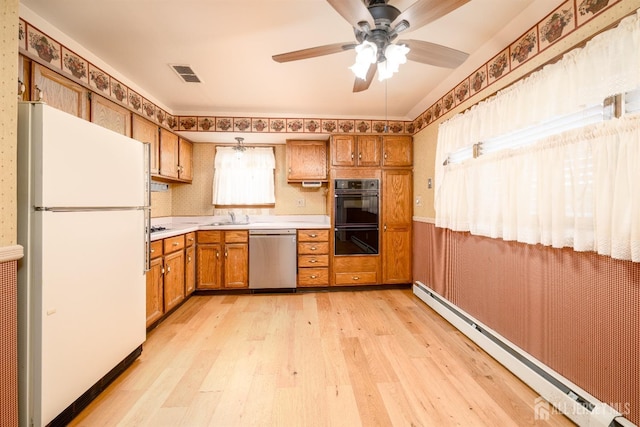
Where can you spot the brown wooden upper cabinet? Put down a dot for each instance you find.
(168, 154)
(306, 161)
(185, 160)
(352, 150)
(146, 131)
(59, 92)
(110, 115)
(176, 158)
(397, 151)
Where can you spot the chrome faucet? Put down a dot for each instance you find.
(233, 217)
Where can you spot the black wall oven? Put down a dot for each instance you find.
(356, 216)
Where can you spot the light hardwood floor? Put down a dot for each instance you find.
(370, 358)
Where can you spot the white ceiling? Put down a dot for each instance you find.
(229, 44)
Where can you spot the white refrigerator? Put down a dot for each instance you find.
(83, 216)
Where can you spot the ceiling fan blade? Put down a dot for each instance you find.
(360, 85)
(354, 11)
(312, 52)
(434, 54)
(424, 11)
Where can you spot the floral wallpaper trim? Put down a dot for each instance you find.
(562, 21)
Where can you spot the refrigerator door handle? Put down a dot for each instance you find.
(147, 240)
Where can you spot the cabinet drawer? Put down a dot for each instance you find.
(313, 235)
(313, 277)
(211, 236)
(190, 239)
(309, 248)
(365, 277)
(350, 264)
(241, 236)
(156, 249)
(172, 244)
(313, 261)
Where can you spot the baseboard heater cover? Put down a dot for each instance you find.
(568, 398)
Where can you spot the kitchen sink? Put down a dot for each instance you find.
(223, 223)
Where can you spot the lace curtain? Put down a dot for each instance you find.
(578, 189)
(244, 180)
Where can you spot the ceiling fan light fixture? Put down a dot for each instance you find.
(366, 54)
(395, 55)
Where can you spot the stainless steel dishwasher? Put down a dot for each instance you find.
(272, 259)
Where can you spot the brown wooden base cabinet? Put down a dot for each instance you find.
(313, 258)
(222, 259)
(173, 272)
(155, 286)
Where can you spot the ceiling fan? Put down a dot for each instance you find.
(376, 25)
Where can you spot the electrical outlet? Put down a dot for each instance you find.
(300, 203)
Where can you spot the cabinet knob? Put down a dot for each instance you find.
(385, 155)
(168, 269)
(188, 259)
(352, 156)
(39, 94)
(360, 156)
(226, 254)
(385, 227)
(217, 254)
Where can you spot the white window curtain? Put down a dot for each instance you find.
(578, 189)
(247, 179)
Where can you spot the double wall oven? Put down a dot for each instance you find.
(356, 216)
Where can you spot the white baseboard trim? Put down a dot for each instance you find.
(566, 397)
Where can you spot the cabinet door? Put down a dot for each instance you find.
(155, 300)
(306, 161)
(208, 265)
(343, 148)
(396, 230)
(236, 262)
(369, 148)
(189, 270)
(110, 115)
(168, 154)
(59, 92)
(173, 279)
(145, 131)
(397, 151)
(185, 160)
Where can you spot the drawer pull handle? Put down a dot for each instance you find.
(188, 259)
(191, 239)
(217, 254)
(168, 269)
(313, 235)
(313, 276)
(175, 243)
(313, 261)
(313, 248)
(153, 250)
(356, 278)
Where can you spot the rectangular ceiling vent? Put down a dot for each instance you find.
(186, 73)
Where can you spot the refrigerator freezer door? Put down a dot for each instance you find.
(89, 298)
(79, 164)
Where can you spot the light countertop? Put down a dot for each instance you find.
(181, 225)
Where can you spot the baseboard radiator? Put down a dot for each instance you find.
(566, 397)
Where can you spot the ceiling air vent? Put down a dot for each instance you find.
(186, 73)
